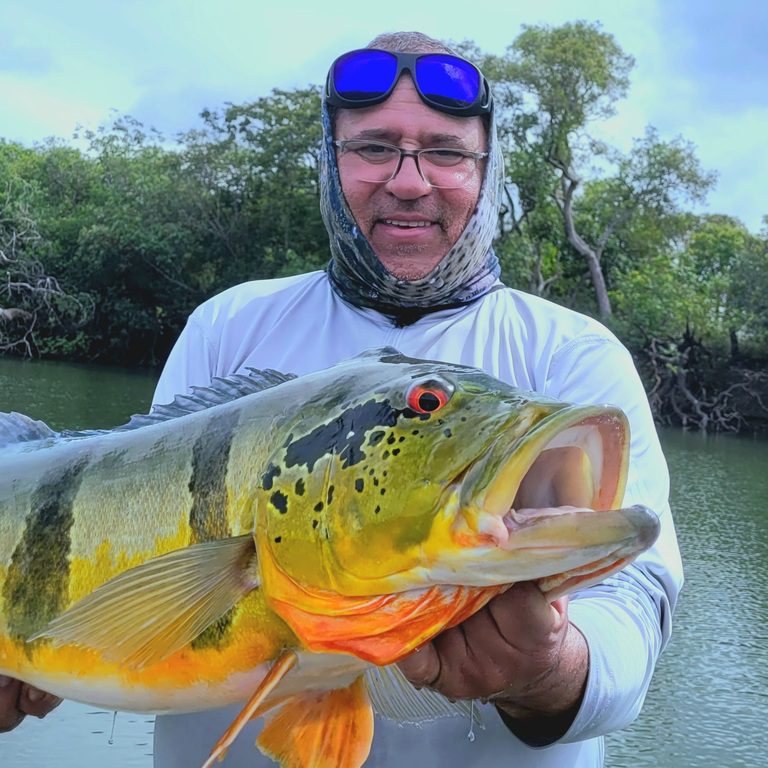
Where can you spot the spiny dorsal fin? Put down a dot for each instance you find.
(18, 428)
(219, 391)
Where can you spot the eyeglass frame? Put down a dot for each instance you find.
(415, 154)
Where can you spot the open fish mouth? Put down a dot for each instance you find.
(544, 506)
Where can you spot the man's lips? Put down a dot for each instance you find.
(408, 224)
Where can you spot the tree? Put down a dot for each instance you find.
(31, 299)
(553, 82)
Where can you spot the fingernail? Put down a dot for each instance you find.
(35, 694)
(4, 681)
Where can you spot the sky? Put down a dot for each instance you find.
(701, 65)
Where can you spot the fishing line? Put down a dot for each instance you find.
(111, 739)
(471, 734)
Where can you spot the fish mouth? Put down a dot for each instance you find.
(543, 506)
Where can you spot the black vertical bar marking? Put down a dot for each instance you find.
(37, 585)
(208, 515)
(208, 483)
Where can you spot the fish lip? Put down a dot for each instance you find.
(490, 486)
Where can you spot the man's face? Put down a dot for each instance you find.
(386, 212)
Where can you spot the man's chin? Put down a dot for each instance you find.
(410, 262)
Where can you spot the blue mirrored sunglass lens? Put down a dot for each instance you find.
(448, 80)
(363, 74)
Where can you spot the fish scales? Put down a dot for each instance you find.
(294, 532)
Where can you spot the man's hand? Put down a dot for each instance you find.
(520, 652)
(17, 700)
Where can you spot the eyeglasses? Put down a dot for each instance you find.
(378, 162)
(448, 83)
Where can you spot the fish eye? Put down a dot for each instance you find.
(428, 396)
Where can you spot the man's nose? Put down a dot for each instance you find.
(408, 183)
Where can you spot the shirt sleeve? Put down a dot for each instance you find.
(625, 619)
(192, 363)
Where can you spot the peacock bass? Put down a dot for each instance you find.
(283, 541)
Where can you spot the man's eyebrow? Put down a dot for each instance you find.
(447, 139)
(430, 139)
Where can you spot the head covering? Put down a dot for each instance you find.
(468, 271)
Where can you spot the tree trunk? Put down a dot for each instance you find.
(591, 255)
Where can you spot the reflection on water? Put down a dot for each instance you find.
(67, 395)
(77, 736)
(708, 702)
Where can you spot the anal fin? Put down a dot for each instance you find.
(321, 729)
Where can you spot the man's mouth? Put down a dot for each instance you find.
(408, 224)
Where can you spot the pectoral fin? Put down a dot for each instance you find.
(153, 610)
(322, 729)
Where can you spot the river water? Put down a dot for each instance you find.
(708, 704)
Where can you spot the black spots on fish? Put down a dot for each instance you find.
(319, 506)
(208, 481)
(401, 439)
(375, 480)
(391, 439)
(371, 471)
(315, 523)
(385, 455)
(267, 479)
(37, 581)
(377, 510)
(463, 418)
(395, 451)
(279, 501)
(383, 491)
(376, 438)
(299, 488)
(329, 497)
(359, 484)
(414, 432)
(344, 436)
(278, 539)
(447, 432)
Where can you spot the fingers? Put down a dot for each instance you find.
(510, 645)
(35, 702)
(10, 714)
(524, 616)
(421, 667)
(17, 700)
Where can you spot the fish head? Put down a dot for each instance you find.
(399, 474)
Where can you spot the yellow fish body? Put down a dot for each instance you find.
(291, 538)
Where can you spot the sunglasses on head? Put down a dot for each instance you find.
(448, 83)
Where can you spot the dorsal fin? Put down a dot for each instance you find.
(18, 428)
(219, 391)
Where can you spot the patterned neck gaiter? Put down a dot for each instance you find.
(467, 272)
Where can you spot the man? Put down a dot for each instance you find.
(411, 182)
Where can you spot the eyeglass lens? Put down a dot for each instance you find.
(445, 80)
(439, 168)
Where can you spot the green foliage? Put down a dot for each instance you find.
(138, 230)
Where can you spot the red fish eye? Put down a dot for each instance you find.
(427, 398)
